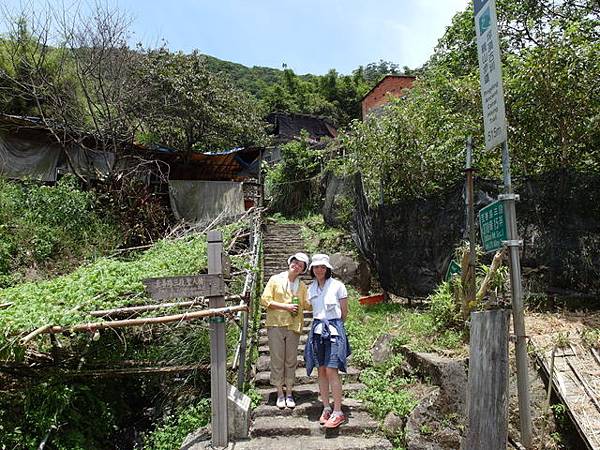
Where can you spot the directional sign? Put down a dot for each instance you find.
(453, 269)
(492, 225)
(490, 73)
(188, 286)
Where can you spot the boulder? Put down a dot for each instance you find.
(449, 374)
(382, 350)
(345, 268)
(393, 424)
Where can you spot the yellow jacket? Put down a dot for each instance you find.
(277, 290)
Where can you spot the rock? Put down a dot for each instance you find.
(420, 417)
(382, 350)
(449, 374)
(345, 268)
(393, 424)
(448, 438)
(199, 439)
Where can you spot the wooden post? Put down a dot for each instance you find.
(218, 351)
(487, 394)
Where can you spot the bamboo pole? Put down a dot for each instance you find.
(93, 326)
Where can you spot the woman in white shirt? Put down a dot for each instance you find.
(327, 346)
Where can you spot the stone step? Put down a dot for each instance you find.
(263, 362)
(357, 423)
(262, 378)
(315, 443)
(305, 391)
(307, 407)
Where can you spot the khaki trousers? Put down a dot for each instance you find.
(283, 350)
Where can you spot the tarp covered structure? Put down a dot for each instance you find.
(203, 201)
(28, 159)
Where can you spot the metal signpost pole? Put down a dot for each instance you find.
(218, 352)
(471, 220)
(513, 244)
(495, 131)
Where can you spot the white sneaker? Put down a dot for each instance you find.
(280, 402)
(289, 402)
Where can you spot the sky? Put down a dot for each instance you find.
(309, 36)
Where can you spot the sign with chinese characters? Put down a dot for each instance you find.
(453, 269)
(187, 286)
(490, 73)
(492, 225)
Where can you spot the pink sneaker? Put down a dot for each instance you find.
(335, 420)
(325, 415)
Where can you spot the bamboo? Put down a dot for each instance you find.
(93, 326)
(34, 333)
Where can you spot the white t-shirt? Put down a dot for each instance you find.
(326, 301)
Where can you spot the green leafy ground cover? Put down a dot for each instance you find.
(104, 284)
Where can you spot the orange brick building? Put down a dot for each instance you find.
(390, 85)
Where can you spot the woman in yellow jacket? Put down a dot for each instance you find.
(285, 298)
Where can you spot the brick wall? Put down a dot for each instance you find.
(392, 85)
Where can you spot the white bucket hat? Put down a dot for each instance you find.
(303, 257)
(320, 259)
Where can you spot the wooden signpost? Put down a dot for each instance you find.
(218, 351)
(188, 286)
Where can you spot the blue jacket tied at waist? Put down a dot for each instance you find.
(310, 349)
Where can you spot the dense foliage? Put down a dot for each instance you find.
(551, 64)
(293, 184)
(49, 229)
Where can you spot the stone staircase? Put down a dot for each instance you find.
(299, 429)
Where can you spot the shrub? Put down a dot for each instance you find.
(174, 428)
(443, 307)
(50, 227)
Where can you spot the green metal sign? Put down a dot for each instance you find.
(492, 225)
(453, 269)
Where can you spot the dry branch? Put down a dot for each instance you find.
(143, 308)
(126, 371)
(496, 262)
(6, 305)
(34, 333)
(93, 326)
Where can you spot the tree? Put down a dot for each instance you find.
(191, 108)
(551, 64)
